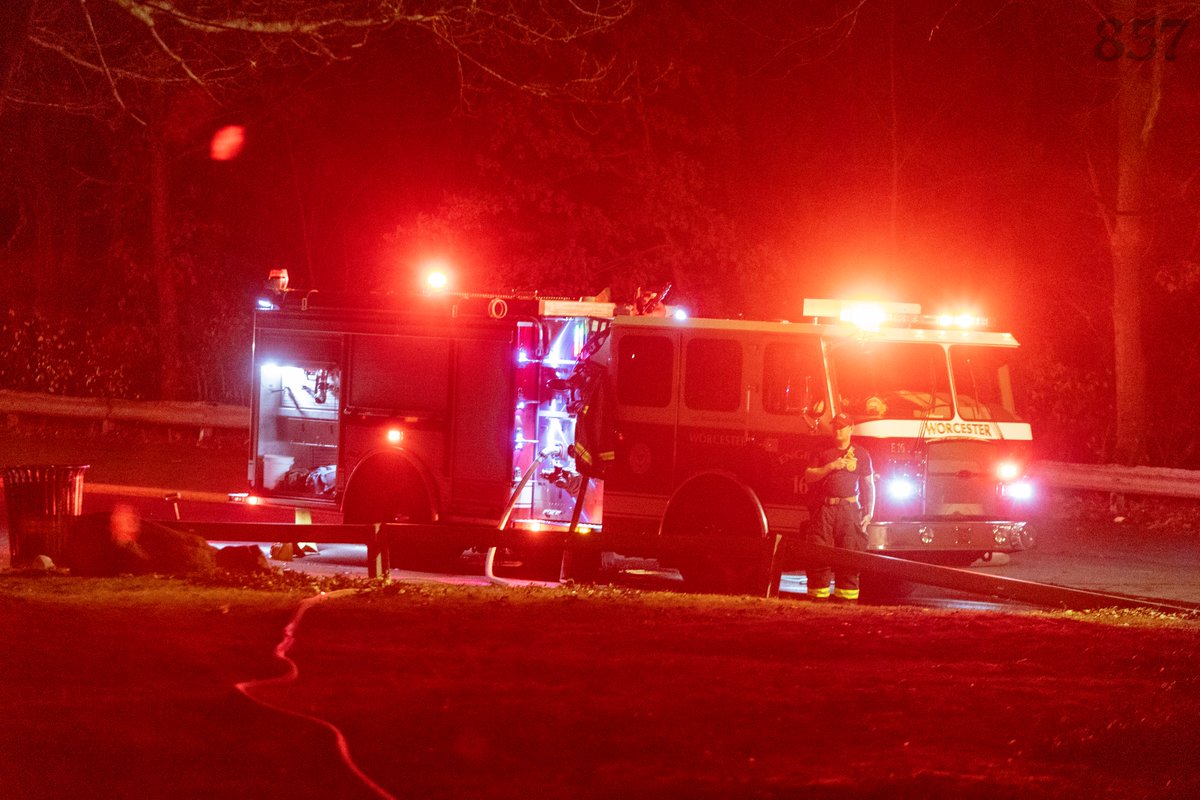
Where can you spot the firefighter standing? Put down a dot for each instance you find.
(845, 482)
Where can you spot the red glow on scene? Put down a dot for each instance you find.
(227, 143)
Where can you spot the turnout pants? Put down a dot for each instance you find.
(836, 526)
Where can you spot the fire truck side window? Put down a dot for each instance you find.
(644, 371)
(713, 375)
(793, 377)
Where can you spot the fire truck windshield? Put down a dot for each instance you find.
(892, 380)
(982, 387)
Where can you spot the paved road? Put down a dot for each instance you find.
(1096, 554)
(1104, 556)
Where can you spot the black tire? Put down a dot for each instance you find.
(582, 566)
(716, 507)
(390, 489)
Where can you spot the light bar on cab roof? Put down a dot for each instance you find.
(871, 315)
(960, 320)
(867, 314)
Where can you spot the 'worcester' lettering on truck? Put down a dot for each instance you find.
(975, 430)
(718, 439)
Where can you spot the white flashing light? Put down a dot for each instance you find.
(395, 436)
(1008, 471)
(901, 488)
(868, 315)
(679, 314)
(1020, 490)
(962, 319)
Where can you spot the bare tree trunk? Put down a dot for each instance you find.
(163, 268)
(1137, 106)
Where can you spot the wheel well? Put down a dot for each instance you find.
(715, 502)
(389, 486)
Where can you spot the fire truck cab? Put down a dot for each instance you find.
(715, 422)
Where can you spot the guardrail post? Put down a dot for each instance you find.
(378, 555)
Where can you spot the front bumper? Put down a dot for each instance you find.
(943, 535)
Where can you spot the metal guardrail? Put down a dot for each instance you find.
(1110, 478)
(1115, 479)
(185, 414)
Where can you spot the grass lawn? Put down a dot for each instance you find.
(124, 688)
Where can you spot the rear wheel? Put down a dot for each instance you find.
(735, 559)
(389, 488)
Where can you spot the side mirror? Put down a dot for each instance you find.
(812, 414)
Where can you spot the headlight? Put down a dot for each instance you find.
(1018, 490)
(901, 487)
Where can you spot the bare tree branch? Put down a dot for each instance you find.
(116, 92)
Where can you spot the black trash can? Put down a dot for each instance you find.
(41, 502)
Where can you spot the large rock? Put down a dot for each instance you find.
(242, 558)
(104, 545)
(120, 543)
(173, 552)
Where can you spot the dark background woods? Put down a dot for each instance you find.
(1033, 161)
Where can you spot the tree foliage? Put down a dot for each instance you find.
(150, 79)
(751, 154)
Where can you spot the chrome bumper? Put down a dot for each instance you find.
(983, 535)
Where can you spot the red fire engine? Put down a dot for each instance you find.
(649, 434)
(716, 421)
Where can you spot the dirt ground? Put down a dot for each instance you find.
(123, 688)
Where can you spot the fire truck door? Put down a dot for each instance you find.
(482, 436)
(644, 368)
(713, 406)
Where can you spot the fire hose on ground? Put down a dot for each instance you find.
(293, 672)
(489, 562)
